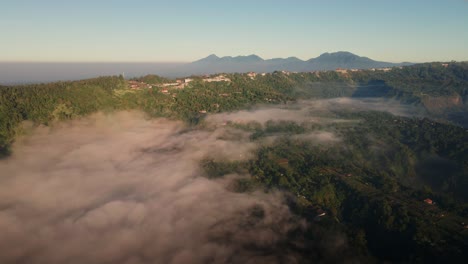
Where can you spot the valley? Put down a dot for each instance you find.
(366, 166)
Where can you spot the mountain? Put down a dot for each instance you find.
(215, 64)
(287, 60)
(345, 60)
(210, 59)
(228, 59)
(326, 61)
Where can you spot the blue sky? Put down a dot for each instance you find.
(176, 30)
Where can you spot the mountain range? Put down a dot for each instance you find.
(326, 61)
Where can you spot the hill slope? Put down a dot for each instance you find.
(346, 60)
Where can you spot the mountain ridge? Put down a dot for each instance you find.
(253, 62)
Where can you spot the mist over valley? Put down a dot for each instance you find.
(270, 184)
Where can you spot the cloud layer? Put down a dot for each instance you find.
(122, 189)
(316, 111)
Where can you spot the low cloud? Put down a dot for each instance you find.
(316, 111)
(122, 189)
(261, 115)
(373, 104)
(322, 137)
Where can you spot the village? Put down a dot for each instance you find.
(182, 83)
(178, 84)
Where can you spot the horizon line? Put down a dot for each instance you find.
(187, 62)
(24, 61)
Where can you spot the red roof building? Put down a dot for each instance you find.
(428, 201)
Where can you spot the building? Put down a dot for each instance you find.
(252, 75)
(219, 78)
(428, 201)
(321, 213)
(169, 84)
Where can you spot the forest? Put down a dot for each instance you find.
(395, 185)
(372, 190)
(44, 103)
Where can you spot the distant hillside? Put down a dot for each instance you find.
(326, 61)
(228, 59)
(346, 60)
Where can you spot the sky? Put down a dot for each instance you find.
(183, 31)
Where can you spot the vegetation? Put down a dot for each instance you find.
(371, 183)
(45, 103)
(151, 79)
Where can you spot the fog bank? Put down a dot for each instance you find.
(122, 189)
(317, 111)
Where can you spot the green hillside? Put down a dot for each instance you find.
(370, 185)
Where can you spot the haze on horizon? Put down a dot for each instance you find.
(183, 31)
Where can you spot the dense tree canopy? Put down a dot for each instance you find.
(370, 185)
